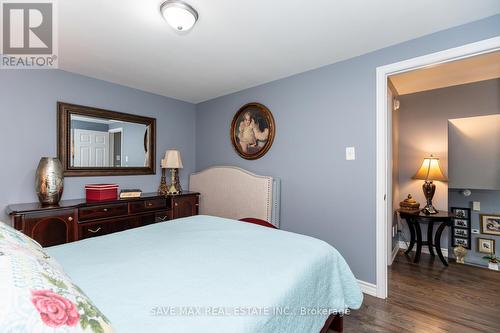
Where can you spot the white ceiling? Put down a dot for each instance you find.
(239, 44)
(474, 69)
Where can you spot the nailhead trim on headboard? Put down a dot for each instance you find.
(226, 192)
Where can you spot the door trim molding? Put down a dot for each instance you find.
(383, 120)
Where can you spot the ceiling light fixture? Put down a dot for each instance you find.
(179, 14)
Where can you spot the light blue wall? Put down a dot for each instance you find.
(318, 114)
(28, 128)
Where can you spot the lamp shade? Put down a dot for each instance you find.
(172, 160)
(430, 170)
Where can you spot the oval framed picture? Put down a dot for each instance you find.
(252, 131)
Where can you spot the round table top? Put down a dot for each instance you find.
(442, 214)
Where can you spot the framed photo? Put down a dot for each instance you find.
(461, 233)
(460, 223)
(461, 213)
(486, 245)
(461, 241)
(461, 227)
(490, 224)
(252, 131)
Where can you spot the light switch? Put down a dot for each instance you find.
(350, 153)
(476, 205)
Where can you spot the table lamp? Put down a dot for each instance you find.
(173, 162)
(429, 171)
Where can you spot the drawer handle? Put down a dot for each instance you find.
(150, 204)
(176, 204)
(94, 231)
(70, 219)
(105, 210)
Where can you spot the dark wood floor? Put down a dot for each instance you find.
(429, 298)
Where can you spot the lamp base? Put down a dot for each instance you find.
(174, 187)
(429, 210)
(163, 189)
(429, 189)
(172, 190)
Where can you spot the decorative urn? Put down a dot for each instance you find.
(409, 204)
(49, 181)
(460, 253)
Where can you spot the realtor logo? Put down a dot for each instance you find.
(28, 34)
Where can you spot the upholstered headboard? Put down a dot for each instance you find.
(235, 193)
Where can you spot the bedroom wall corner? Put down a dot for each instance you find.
(28, 128)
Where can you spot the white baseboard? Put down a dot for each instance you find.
(394, 254)
(425, 249)
(368, 288)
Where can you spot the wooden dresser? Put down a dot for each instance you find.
(73, 220)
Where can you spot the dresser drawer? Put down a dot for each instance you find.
(88, 230)
(163, 216)
(145, 205)
(102, 211)
(93, 229)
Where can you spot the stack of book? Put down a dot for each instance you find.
(127, 194)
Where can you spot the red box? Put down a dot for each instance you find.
(101, 192)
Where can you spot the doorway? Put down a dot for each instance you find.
(384, 194)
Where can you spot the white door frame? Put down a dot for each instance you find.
(383, 139)
(117, 130)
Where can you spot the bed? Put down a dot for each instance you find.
(203, 273)
(227, 276)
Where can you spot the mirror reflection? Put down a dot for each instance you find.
(100, 142)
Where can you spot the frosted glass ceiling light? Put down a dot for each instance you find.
(179, 14)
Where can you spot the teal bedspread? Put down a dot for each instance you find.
(208, 274)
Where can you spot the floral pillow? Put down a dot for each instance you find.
(37, 296)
